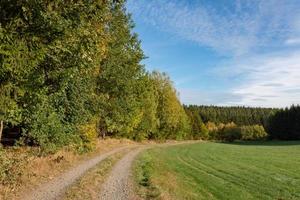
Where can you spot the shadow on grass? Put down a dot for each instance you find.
(264, 143)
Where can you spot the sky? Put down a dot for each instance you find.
(224, 52)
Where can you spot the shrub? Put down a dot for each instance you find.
(231, 132)
(204, 132)
(212, 130)
(255, 132)
(11, 167)
(88, 135)
(47, 129)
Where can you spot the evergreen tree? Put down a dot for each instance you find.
(285, 124)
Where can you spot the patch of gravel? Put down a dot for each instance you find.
(54, 189)
(119, 185)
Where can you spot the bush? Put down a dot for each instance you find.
(11, 167)
(88, 136)
(204, 133)
(231, 132)
(255, 132)
(46, 128)
(212, 130)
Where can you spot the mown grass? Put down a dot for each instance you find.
(244, 170)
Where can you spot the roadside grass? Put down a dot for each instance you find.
(242, 170)
(22, 169)
(89, 186)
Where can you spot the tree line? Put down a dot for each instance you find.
(285, 124)
(240, 115)
(244, 123)
(228, 123)
(71, 71)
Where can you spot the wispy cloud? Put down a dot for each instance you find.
(272, 80)
(293, 41)
(236, 29)
(203, 97)
(262, 37)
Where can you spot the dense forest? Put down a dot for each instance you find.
(70, 71)
(285, 124)
(238, 115)
(228, 123)
(244, 123)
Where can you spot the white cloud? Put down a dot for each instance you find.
(236, 30)
(242, 31)
(203, 97)
(293, 41)
(272, 80)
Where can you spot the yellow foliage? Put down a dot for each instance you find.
(88, 133)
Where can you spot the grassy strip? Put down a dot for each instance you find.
(89, 186)
(153, 178)
(143, 171)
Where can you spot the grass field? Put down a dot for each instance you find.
(261, 170)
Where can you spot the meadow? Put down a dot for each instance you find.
(208, 170)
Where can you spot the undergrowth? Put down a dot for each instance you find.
(11, 167)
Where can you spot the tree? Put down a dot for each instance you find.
(49, 59)
(173, 121)
(120, 82)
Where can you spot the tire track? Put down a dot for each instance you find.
(54, 189)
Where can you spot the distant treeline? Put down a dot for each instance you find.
(238, 115)
(217, 122)
(71, 71)
(285, 124)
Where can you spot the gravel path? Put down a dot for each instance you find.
(119, 186)
(55, 189)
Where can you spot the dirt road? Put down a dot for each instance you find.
(119, 184)
(56, 188)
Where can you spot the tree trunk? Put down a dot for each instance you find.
(103, 134)
(1, 129)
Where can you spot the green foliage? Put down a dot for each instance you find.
(47, 128)
(121, 81)
(144, 167)
(49, 60)
(68, 66)
(149, 122)
(230, 132)
(204, 133)
(197, 126)
(173, 123)
(238, 115)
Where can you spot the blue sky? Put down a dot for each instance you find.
(224, 52)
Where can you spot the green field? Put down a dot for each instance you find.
(261, 170)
